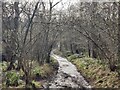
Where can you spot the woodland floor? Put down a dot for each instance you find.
(73, 72)
(96, 72)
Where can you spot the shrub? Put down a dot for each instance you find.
(41, 71)
(4, 65)
(12, 78)
(54, 63)
(36, 84)
(46, 70)
(75, 56)
(58, 52)
(36, 71)
(68, 53)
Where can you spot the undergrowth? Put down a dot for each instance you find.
(39, 73)
(96, 73)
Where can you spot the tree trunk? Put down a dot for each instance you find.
(119, 39)
(71, 48)
(48, 55)
(19, 66)
(119, 35)
(11, 66)
(89, 53)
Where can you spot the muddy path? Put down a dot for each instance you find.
(67, 76)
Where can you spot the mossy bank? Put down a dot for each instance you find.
(95, 72)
